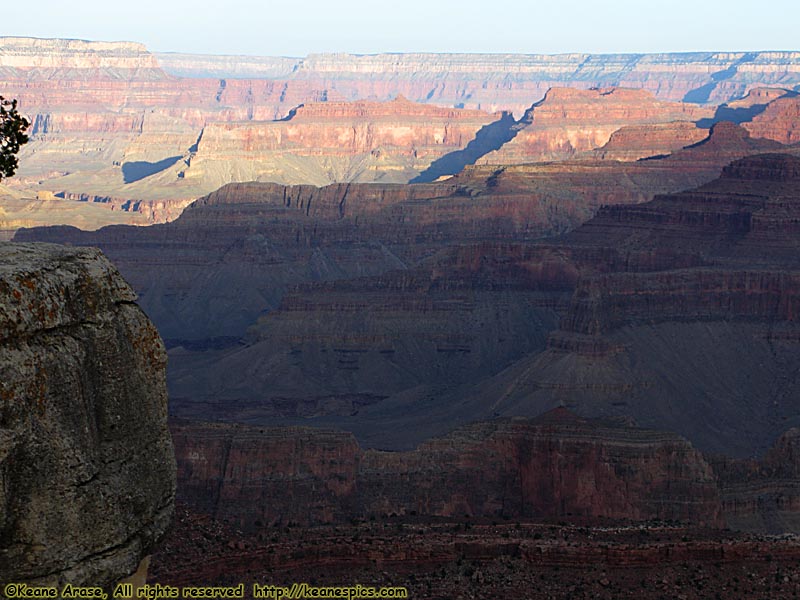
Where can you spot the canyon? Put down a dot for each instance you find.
(682, 283)
(568, 121)
(356, 310)
(465, 323)
(506, 81)
(121, 128)
(336, 141)
(550, 468)
(453, 516)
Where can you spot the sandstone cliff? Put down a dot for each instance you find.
(780, 120)
(763, 495)
(87, 473)
(54, 56)
(634, 142)
(335, 141)
(568, 121)
(555, 466)
(110, 123)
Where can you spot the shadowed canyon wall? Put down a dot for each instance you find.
(551, 467)
(555, 466)
(356, 309)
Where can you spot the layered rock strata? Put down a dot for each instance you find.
(335, 141)
(441, 558)
(110, 123)
(291, 235)
(508, 81)
(780, 120)
(763, 495)
(685, 314)
(635, 142)
(569, 121)
(555, 466)
(389, 300)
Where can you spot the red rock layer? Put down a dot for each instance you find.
(568, 121)
(763, 495)
(98, 107)
(555, 466)
(369, 304)
(758, 97)
(685, 313)
(357, 127)
(635, 142)
(296, 234)
(780, 121)
(339, 140)
(747, 213)
(153, 211)
(725, 250)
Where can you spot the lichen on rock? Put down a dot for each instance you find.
(87, 470)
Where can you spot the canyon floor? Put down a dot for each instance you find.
(451, 559)
(478, 336)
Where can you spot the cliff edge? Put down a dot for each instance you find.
(87, 471)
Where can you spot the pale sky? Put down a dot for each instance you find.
(300, 27)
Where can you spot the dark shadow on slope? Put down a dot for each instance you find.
(700, 95)
(703, 93)
(489, 138)
(134, 171)
(291, 114)
(734, 115)
(738, 115)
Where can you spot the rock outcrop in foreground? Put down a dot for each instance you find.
(87, 472)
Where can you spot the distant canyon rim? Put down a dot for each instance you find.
(488, 319)
(145, 134)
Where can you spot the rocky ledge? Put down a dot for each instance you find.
(87, 471)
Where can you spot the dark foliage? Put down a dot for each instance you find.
(12, 136)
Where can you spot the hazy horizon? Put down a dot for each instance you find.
(357, 27)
